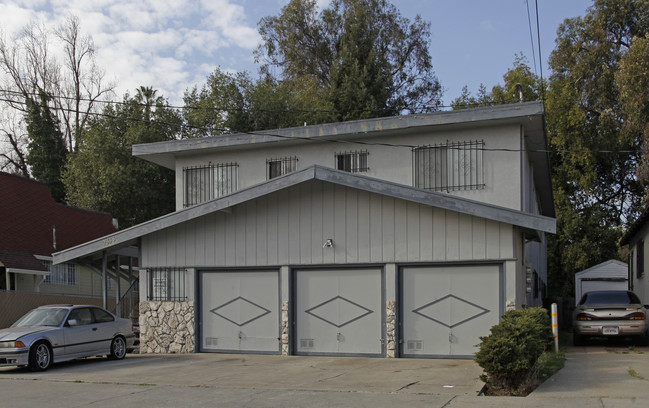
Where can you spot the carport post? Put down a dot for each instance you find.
(104, 276)
(118, 295)
(555, 326)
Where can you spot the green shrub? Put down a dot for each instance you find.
(510, 352)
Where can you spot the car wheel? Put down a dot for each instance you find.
(117, 348)
(578, 340)
(40, 356)
(643, 340)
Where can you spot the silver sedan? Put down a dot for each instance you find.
(610, 313)
(56, 333)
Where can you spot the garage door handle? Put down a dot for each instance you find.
(94, 329)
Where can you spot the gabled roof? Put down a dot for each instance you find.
(635, 228)
(608, 268)
(529, 115)
(32, 221)
(130, 236)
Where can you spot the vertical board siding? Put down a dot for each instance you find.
(289, 227)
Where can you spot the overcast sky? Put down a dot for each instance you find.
(172, 45)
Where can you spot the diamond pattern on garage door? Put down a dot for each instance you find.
(338, 311)
(440, 307)
(240, 311)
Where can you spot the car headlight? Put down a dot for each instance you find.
(11, 344)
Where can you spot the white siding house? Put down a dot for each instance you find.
(402, 237)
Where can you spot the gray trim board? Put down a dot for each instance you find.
(130, 236)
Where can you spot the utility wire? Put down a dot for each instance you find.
(226, 132)
(529, 24)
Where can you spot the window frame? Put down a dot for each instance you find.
(64, 274)
(354, 161)
(207, 182)
(282, 165)
(450, 166)
(166, 284)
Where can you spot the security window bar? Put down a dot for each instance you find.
(63, 274)
(167, 284)
(204, 183)
(278, 167)
(353, 162)
(451, 166)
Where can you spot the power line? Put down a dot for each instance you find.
(182, 126)
(529, 23)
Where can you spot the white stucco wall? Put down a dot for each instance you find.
(502, 169)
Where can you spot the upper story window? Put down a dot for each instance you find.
(353, 162)
(640, 259)
(62, 274)
(204, 183)
(449, 167)
(278, 167)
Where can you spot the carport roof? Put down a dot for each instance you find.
(131, 236)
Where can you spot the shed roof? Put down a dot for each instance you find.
(33, 223)
(130, 236)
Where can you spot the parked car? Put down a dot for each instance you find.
(610, 313)
(56, 333)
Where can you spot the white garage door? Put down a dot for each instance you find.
(446, 309)
(339, 312)
(240, 311)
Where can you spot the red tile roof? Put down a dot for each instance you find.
(30, 220)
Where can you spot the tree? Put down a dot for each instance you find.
(74, 84)
(46, 150)
(363, 57)
(517, 79)
(594, 167)
(103, 175)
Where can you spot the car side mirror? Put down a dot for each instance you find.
(73, 322)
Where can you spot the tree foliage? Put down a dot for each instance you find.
(103, 175)
(596, 142)
(518, 79)
(29, 66)
(46, 151)
(361, 56)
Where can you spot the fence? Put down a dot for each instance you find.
(13, 304)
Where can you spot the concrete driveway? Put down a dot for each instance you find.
(602, 375)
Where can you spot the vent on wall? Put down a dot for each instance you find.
(211, 341)
(306, 343)
(415, 345)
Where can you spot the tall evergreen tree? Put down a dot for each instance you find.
(47, 152)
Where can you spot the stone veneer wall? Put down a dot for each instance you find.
(390, 328)
(166, 327)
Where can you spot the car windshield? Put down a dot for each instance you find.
(42, 317)
(609, 298)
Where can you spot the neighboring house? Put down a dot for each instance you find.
(609, 275)
(637, 237)
(32, 227)
(406, 236)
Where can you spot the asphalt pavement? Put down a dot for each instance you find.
(598, 375)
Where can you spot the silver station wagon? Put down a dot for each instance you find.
(56, 333)
(610, 313)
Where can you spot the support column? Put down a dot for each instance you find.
(104, 279)
(118, 287)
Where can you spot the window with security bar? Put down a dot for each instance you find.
(278, 167)
(167, 284)
(62, 274)
(204, 183)
(353, 162)
(448, 167)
